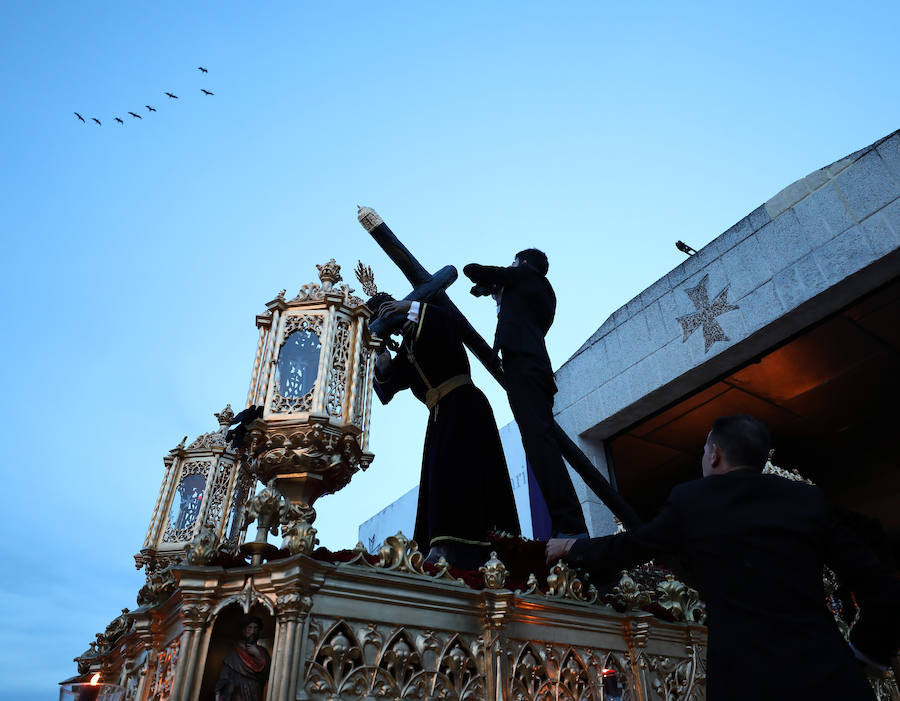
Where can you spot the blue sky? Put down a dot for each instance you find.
(135, 257)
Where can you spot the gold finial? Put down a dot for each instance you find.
(369, 218)
(366, 278)
(225, 416)
(330, 272)
(494, 572)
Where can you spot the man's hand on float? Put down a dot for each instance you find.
(395, 307)
(557, 549)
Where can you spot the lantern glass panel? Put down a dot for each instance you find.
(298, 364)
(186, 507)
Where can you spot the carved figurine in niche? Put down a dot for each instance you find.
(246, 668)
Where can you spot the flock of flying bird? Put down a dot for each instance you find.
(149, 108)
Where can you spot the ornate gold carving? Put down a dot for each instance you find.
(164, 677)
(217, 493)
(336, 388)
(681, 601)
(246, 598)
(635, 633)
(314, 447)
(118, 627)
(195, 613)
(494, 572)
(366, 278)
(302, 322)
(563, 583)
(158, 587)
(360, 391)
(292, 604)
(629, 595)
(772, 469)
(372, 660)
(329, 273)
(225, 416)
(243, 483)
(213, 439)
(401, 554)
(203, 548)
(531, 586)
(369, 218)
(299, 537)
(266, 508)
(885, 687)
(677, 679)
(291, 405)
(530, 679)
(830, 584)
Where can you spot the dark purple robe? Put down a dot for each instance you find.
(464, 489)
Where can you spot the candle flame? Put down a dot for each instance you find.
(95, 679)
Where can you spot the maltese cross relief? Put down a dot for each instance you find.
(706, 314)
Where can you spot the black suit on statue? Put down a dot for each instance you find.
(755, 545)
(527, 308)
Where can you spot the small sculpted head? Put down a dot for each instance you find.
(251, 629)
(737, 442)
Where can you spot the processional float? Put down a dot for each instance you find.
(355, 624)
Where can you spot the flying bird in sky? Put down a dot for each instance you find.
(174, 97)
(206, 92)
(201, 68)
(135, 115)
(120, 121)
(79, 116)
(150, 108)
(96, 120)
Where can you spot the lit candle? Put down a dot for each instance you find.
(91, 690)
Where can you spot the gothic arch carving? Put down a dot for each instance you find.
(245, 598)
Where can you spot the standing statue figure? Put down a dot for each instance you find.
(246, 668)
(526, 305)
(464, 490)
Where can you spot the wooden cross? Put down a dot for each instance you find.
(418, 276)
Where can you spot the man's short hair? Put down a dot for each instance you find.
(535, 258)
(743, 440)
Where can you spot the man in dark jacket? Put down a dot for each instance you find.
(755, 546)
(526, 306)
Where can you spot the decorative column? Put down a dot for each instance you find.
(291, 609)
(497, 604)
(195, 611)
